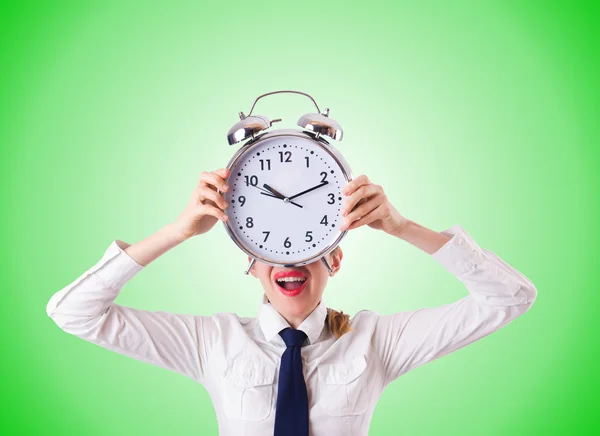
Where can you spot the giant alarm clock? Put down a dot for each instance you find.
(285, 188)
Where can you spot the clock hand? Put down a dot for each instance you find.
(270, 195)
(308, 190)
(274, 194)
(266, 192)
(280, 195)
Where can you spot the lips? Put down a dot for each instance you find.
(282, 274)
(290, 289)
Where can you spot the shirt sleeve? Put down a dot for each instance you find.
(497, 294)
(86, 308)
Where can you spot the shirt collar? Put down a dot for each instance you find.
(271, 322)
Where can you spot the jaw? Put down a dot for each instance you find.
(299, 305)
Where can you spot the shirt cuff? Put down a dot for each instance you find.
(116, 267)
(461, 253)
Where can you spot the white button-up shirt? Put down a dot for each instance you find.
(237, 359)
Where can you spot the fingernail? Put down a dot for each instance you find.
(225, 187)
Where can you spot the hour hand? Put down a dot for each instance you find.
(277, 194)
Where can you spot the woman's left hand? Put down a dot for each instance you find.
(369, 205)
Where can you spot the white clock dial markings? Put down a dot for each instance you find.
(293, 168)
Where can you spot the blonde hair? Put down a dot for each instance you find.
(338, 322)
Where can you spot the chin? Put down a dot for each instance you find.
(293, 305)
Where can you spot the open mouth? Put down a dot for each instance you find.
(291, 284)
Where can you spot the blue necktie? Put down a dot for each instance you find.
(291, 415)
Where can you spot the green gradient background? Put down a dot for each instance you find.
(482, 114)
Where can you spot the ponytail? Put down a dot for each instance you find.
(338, 322)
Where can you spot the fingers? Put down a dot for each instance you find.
(364, 208)
(206, 193)
(353, 184)
(208, 183)
(362, 203)
(358, 193)
(362, 211)
(214, 178)
(374, 215)
(206, 209)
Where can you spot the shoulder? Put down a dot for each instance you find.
(230, 318)
(364, 318)
(224, 329)
(365, 314)
(227, 322)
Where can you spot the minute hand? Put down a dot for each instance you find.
(308, 190)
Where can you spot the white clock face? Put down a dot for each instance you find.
(298, 225)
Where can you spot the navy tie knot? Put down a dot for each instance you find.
(293, 337)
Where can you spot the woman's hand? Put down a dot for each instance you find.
(366, 203)
(205, 207)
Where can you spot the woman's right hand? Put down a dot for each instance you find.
(205, 206)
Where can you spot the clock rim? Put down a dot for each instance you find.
(334, 153)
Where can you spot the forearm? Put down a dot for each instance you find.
(155, 245)
(421, 237)
(498, 293)
(86, 308)
(78, 307)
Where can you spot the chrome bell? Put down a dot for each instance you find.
(248, 127)
(251, 125)
(321, 124)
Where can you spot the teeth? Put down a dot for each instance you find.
(292, 279)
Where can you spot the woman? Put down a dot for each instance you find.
(328, 381)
